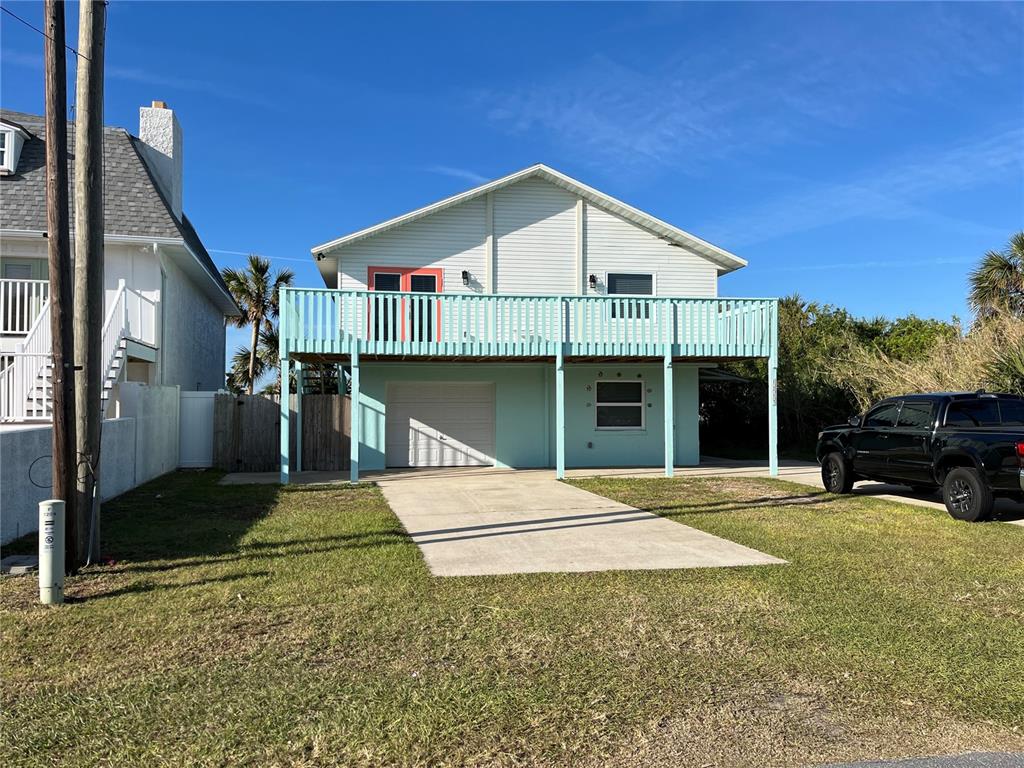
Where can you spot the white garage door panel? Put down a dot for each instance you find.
(440, 424)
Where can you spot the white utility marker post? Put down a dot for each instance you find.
(51, 552)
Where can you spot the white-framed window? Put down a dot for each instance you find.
(10, 147)
(630, 284)
(620, 404)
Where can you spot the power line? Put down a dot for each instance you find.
(13, 15)
(250, 253)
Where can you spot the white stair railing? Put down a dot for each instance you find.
(23, 392)
(21, 301)
(115, 328)
(25, 383)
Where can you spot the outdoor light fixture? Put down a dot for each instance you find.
(465, 277)
(593, 281)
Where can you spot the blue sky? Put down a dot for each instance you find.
(861, 154)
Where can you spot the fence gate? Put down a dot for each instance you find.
(247, 432)
(195, 446)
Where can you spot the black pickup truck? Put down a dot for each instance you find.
(971, 445)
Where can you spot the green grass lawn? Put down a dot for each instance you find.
(254, 625)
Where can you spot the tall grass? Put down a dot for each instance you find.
(990, 356)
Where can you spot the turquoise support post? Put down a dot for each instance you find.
(285, 432)
(299, 384)
(559, 415)
(773, 394)
(356, 437)
(670, 421)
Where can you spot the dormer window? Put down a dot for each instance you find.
(11, 139)
(6, 142)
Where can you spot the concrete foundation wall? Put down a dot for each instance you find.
(525, 412)
(133, 450)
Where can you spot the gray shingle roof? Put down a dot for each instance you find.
(132, 202)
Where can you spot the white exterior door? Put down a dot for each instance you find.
(440, 424)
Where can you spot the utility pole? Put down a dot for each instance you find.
(89, 268)
(63, 449)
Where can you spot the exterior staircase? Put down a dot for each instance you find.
(26, 383)
(39, 399)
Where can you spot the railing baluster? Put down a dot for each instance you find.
(406, 323)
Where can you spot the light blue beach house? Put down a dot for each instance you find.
(529, 322)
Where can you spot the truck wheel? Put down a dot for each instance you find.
(836, 476)
(966, 495)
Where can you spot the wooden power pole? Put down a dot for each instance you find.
(89, 267)
(63, 449)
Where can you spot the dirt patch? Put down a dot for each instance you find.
(799, 727)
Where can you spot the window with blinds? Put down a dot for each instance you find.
(630, 285)
(623, 284)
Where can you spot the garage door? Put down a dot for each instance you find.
(440, 424)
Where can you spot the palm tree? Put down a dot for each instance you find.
(257, 296)
(238, 379)
(997, 284)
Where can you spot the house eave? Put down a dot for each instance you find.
(176, 247)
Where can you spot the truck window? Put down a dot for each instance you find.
(882, 416)
(972, 413)
(1012, 413)
(915, 414)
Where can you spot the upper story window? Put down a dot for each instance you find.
(11, 139)
(630, 284)
(6, 140)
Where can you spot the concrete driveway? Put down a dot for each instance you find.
(476, 522)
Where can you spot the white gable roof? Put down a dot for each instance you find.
(726, 262)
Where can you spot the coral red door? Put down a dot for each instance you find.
(395, 318)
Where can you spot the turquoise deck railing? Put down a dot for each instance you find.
(325, 321)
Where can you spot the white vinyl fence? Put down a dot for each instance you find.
(196, 439)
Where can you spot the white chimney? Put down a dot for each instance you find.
(160, 133)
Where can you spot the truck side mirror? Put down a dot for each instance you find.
(853, 421)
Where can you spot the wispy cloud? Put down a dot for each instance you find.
(458, 173)
(758, 84)
(137, 75)
(829, 266)
(899, 189)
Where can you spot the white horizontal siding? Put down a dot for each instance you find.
(534, 228)
(612, 244)
(452, 240)
(535, 239)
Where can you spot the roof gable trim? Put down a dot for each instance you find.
(726, 261)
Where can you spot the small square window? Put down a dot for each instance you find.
(620, 404)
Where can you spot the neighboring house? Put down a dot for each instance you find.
(165, 301)
(529, 322)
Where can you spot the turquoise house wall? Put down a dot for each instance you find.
(521, 412)
(587, 446)
(524, 412)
